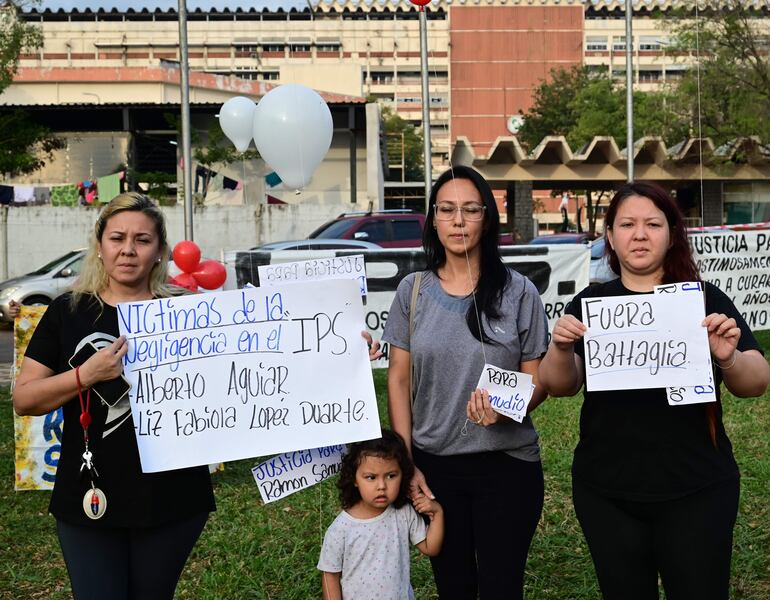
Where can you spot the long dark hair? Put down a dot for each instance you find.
(493, 274)
(390, 445)
(678, 264)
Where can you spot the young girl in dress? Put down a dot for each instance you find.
(365, 552)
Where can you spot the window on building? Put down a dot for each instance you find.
(747, 202)
(619, 43)
(382, 77)
(650, 75)
(246, 47)
(674, 73)
(328, 45)
(273, 46)
(651, 42)
(300, 47)
(596, 43)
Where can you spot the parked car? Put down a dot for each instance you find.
(387, 228)
(599, 270)
(318, 244)
(43, 285)
(562, 238)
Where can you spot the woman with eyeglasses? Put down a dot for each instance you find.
(483, 467)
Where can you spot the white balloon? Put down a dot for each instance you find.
(293, 132)
(236, 118)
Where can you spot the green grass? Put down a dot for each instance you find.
(270, 552)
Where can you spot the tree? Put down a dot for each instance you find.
(403, 139)
(579, 105)
(24, 144)
(727, 92)
(553, 111)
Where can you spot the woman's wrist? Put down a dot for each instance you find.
(730, 363)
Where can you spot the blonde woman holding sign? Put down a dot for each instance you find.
(469, 309)
(123, 533)
(655, 484)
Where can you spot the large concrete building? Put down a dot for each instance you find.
(485, 56)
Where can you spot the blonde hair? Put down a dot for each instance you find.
(93, 279)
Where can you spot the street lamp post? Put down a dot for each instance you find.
(425, 103)
(184, 87)
(629, 93)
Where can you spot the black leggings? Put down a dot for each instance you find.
(122, 564)
(492, 504)
(688, 541)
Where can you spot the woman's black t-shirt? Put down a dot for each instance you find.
(633, 445)
(134, 499)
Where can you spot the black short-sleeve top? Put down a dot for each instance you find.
(634, 445)
(134, 499)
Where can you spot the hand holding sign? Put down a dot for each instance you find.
(681, 395)
(505, 392)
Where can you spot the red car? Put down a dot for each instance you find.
(387, 228)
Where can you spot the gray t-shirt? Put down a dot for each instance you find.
(448, 360)
(373, 554)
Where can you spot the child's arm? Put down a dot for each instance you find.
(434, 538)
(332, 588)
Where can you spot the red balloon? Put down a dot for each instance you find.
(187, 255)
(186, 281)
(210, 274)
(420, 3)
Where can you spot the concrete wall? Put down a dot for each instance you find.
(32, 236)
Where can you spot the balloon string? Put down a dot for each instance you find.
(445, 126)
(299, 143)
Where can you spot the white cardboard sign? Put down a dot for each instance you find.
(509, 391)
(645, 341)
(316, 269)
(680, 395)
(229, 375)
(291, 472)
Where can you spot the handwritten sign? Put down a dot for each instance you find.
(645, 341)
(316, 269)
(291, 472)
(509, 391)
(680, 395)
(230, 375)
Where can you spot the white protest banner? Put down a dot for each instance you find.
(291, 472)
(738, 263)
(645, 341)
(316, 269)
(696, 394)
(230, 375)
(509, 391)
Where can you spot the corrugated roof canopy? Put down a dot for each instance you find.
(601, 160)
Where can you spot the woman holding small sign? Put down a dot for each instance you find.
(468, 310)
(655, 484)
(123, 533)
